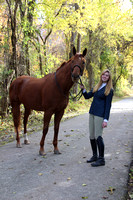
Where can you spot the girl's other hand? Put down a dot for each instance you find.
(104, 124)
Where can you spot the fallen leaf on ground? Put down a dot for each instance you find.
(40, 174)
(62, 164)
(67, 135)
(44, 156)
(111, 190)
(84, 184)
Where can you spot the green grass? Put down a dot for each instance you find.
(35, 122)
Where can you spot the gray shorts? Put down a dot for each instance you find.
(95, 126)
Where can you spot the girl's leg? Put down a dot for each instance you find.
(98, 126)
(98, 133)
(91, 127)
(92, 139)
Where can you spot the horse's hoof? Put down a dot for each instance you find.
(41, 153)
(26, 142)
(18, 145)
(57, 152)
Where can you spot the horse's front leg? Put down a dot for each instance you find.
(47, 117)
(26, 115)
(57, 119)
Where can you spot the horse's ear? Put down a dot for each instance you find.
(85, 52)
(74, 51)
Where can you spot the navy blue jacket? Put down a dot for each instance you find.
(101, 104)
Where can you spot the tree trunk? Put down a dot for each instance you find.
(11, 62)
(90, 72)
(27, 59)
(89, 61)
(12, 15)
(72, 43)
(79, 43)
(22, 62)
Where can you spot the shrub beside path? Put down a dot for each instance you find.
(25, 175)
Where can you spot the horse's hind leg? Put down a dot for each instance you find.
(26, 115)
(57, 120)
(16, 120)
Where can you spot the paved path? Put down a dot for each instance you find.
(24, 175)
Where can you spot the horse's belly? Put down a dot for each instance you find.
(31, 100)
(32, 105)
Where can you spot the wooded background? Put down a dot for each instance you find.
(38, 35)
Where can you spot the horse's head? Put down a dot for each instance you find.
(77, 64)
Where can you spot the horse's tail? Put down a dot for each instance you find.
(14, 91)
(16, 116)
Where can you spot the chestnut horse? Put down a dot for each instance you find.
(49, 94)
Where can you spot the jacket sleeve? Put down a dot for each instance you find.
(108, 104)
(88, 95)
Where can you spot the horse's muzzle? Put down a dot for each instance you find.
(75, 78)
(75, 75)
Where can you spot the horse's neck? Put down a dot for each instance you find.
(64, 77)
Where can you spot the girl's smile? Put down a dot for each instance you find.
(105, 77)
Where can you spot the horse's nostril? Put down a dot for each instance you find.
(75, 76)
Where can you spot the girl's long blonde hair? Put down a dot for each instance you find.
(109, 83)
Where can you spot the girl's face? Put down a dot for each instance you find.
(105, 77)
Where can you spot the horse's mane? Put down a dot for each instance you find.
(62, 65)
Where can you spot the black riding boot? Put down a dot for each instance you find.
(94, 151)
(100, 161)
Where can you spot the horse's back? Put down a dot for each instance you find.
(29, 90)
